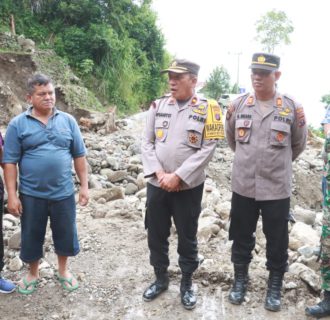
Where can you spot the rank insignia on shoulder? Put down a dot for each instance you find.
(279, 102)
(193, 101)
(250, 101)
(214, 124)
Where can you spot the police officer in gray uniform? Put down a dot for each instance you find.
(267, 131)
(180, 139)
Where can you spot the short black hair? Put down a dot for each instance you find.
(37, 79)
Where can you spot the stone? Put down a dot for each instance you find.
(14, 241)
(108, 194)
(15, 264)
(131, 188)
(303, 235)
(304, 215)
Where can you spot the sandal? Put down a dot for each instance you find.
(29, 287)
(67, 283)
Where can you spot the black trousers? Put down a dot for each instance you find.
(1, 231)
(184, 207)
(244, 217)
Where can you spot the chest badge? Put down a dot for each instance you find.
(285, 112)
(200, 109)
(159, 133)
(280, 137)
(241, 132)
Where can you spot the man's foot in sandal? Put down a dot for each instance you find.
(27, 285)
(68, 282)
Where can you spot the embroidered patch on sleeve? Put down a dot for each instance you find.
(214, 122)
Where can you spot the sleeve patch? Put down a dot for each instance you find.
(214, 122)
(300, 116)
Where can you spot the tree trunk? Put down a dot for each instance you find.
(12, 25)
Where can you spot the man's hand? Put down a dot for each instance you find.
(14, 206)
(170, 182)
(160, 175)
(83, 196)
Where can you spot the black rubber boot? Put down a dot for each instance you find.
(241, 278)
(273, 297)
(322, 309)
(157, 287)
(188, 297)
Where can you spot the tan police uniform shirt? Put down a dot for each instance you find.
(265, 145)
(174, 140)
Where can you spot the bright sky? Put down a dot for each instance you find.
(214, 32)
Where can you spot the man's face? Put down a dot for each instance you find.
(263, 81)
(43, 97)
(182, 85)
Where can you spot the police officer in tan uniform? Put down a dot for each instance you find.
(180, 139)
(267, 131)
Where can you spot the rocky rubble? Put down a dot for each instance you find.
(118, 193)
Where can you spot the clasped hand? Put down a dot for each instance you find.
(168, 181)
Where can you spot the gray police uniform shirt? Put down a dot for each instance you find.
(173, 141)
(265, 145)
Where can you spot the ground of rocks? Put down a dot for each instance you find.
(113, 270)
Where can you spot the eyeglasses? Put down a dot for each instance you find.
(261, 72)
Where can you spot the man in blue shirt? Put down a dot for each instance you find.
(42, 142)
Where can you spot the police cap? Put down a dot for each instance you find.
(265, 61)
(182, 66)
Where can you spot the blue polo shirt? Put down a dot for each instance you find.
(44, 153)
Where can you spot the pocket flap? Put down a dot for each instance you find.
(195, 126)
(280, 126)
(243, 123)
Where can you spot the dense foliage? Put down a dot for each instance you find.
(114, 45)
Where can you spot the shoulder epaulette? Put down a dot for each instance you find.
(164, 96)
(288, 97)
(241, 98)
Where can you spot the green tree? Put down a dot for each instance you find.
(217, 83)
(326, 99)
(273, 29)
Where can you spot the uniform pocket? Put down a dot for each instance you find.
(161, 129)
(243, 130)
(194, 134)
(280, 133)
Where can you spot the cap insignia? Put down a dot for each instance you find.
(261, 59)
